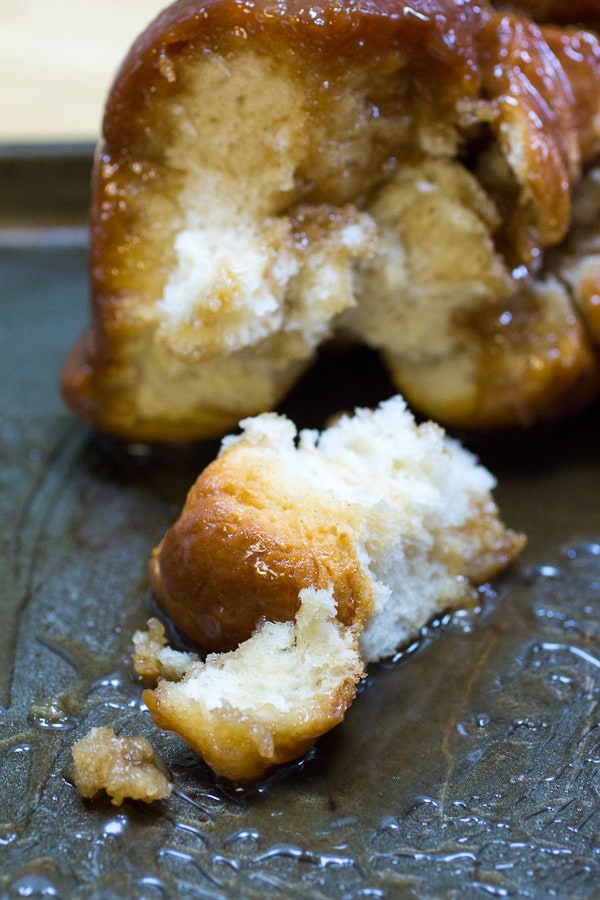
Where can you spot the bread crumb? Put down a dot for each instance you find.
(153, 658)
(124, 767)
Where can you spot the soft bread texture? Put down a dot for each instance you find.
(266, 702)
(353, 538)
(406, 175)
(396, 517)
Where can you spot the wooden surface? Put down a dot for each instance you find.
(57, 60)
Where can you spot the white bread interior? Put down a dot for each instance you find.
(416, 510)
(271, 196)
(266, 702)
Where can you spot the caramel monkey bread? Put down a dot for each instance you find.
(300, 558)
(419, 177)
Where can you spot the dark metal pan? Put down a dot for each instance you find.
(467, 767)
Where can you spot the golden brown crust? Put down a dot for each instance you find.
(587, 294)
(578, 53)
(265, 703)
(241, 750)
(131, 168)
(533, 358)
(240, 552)
(498, 547)
(255, 531)
(534, 368)
(434, 37)
(478, 82)
(576, 12)
(535, 125)
(312, 556)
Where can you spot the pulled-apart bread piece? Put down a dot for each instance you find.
(266, 702)
(396, 517)
(359, 535)
(403, 174)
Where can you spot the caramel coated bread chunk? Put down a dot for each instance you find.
(395, 517)
(406, 175)
(268, 701)
(297, 560)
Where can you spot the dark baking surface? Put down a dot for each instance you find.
(467, 767)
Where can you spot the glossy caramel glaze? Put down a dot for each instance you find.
(514, 101)
(239, 553)
(534, 121)
(265, 520)
(576, 12)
